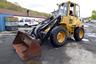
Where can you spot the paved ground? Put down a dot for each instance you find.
(83, 52)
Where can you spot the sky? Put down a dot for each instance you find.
(86, 6)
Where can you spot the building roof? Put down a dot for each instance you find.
(16, 13)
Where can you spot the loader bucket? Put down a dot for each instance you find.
(26, 46)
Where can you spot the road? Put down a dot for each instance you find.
(83, 52)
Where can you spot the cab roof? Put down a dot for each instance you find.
(71, 3)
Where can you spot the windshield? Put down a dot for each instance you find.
(62, 10)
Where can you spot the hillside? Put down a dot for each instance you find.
(10, 6)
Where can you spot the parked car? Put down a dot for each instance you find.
(27, 22)
(11, 23)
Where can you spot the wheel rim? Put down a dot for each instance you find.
(61, 37)
(81, 33)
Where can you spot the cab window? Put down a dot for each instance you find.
(77, 11)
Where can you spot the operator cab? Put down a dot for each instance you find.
(74, 10)
(67, 8)
(62, 10)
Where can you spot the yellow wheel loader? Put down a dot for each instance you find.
(63, 23)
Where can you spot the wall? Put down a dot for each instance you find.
(2, 21)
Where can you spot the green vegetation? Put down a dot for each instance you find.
(10, 6)
(93, 14)
(11, 19)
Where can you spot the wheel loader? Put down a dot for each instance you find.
(63, 23)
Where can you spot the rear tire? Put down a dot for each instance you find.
(26, 25)
(79, 34)
(58, 36)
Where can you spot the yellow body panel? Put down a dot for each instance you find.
(69, 22)
(47, 29)
(64, 20)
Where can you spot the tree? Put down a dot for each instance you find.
(2, 0)
(93, 14)
(16, 7)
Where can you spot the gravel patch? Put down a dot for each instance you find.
(91, 34)
(7, 33)
(80, 56)
(86, 26)
(86, 40)
(0, 41)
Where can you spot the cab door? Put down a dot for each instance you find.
(72, 17)
(74, 14)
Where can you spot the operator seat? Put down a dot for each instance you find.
(71, 13)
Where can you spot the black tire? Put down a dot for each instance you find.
(53, 36)
(26, 25)
(77, 34)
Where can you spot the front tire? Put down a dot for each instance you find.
(79, 33)
(58, 36)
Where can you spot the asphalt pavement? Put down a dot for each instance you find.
(83, 52)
